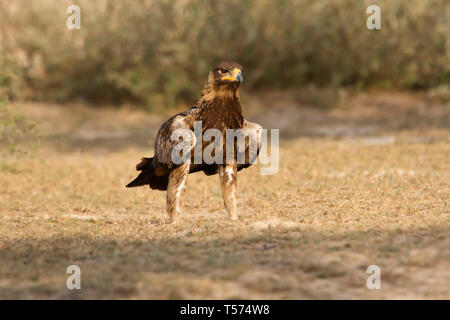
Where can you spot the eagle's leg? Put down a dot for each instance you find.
(228, 179)
(177, 182)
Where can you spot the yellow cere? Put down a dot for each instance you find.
(235, 73)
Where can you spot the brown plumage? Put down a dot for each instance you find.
(217, 108)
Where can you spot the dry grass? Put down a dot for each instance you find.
(362, 185)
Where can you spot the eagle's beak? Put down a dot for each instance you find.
(236, 75)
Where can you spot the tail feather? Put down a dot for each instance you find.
(145, 162)
(147, 171)
(148, 176)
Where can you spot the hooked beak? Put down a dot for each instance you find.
(236, 75)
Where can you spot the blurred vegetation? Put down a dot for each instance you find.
(159, 52)
(15, 128)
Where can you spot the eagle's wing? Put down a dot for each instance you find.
(185, 121)
(155, 171)
(250, 148)
(180, 125)
(252, 144)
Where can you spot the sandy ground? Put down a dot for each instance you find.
(363, 184)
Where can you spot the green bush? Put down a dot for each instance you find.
(16, 131)
(159, 52)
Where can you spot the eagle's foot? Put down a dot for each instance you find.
(171, 220)
(173, 213)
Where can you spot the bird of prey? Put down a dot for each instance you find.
(217, 108)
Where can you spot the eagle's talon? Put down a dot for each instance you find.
(171, 220)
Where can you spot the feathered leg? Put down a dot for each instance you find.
(177, 182)
(228, 179)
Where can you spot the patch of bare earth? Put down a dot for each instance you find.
(363, 184)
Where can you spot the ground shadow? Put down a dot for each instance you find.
(278, 261)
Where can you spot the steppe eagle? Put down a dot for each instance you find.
(217, 108)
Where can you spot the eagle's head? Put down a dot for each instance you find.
(227, 75)
(219, 102)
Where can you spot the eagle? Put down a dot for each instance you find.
(218, 108)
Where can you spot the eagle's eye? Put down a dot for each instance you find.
(223, 71)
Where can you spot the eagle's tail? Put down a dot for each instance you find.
(148, 176)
